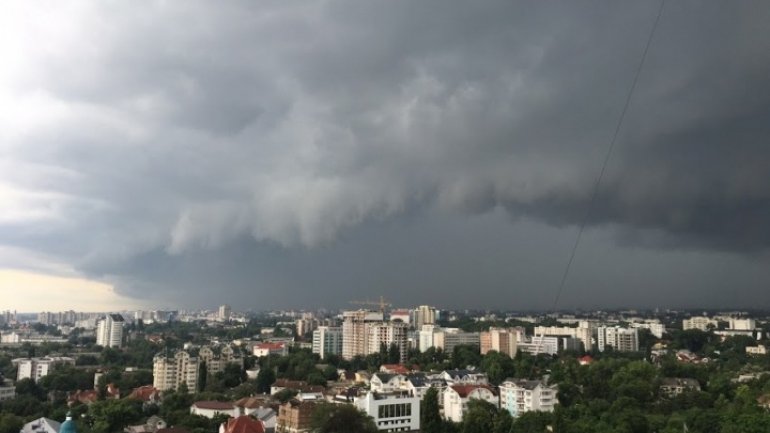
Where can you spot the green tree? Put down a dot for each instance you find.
(10, 423)
(265, 378)
(340, 418)
(430, 419)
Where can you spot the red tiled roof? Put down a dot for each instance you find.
(270, 346)
(214, 405)
(145, 393)
(396, 368)
(243, 424)
(85, 397)
(250, 402)
(464, 390)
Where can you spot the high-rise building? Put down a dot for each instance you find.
(701, 323)
(743, 324)
(224, 313)
(327, 340)
(424, 315)
(170, 370)
(620, 339)
(355, 332)
(219, 357)
(109, 331)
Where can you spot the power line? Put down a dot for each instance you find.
(598, 182)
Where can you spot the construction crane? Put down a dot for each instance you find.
(382, 304)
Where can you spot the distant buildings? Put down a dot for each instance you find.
(219, 357)
(673, 386)
(518, 396)
(109, 331)
(424, 315)
(294, 416)
(35, 368)
(223, 314)
(384, 335)
(700, 323)
(619, 339)
(327, 340)
(267, 349)
(742, 324)
(503, 340)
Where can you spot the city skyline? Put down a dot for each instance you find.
(292, 156)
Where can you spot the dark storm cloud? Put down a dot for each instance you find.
(142, 141)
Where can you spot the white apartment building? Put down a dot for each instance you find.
(109, 331)
(700, 323)
(386, 334)
(456, 398)
(355, 332)
(620, 339)
(392, 412)
(743, 324)
(170, 370)
(520, 395)
(584, 333)
(656, 328)
(445, 338)
(7, 390)
(756, 350)
(327, 340)
(35, 368)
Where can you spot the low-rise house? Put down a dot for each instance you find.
(673, 386)
(394, 369)
(464, 377)
(395, 411)
(756, 350)
(152, 425)
(41, 425)
(387, 382)
(294, 416)
(7, 389)
(267, 349)
(210, 409)
(417, 384)
(518, 396)
(456, 398)
(296, 385)
(147, 394)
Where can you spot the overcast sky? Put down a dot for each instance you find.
(304, 154)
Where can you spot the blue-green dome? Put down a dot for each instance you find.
(68, 426)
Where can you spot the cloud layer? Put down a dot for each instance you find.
(180, 129)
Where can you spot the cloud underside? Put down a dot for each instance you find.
(186, 128)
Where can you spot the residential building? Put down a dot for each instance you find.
(210, 409)
(742, 324)
(7, 390)
(392, 412)
(456, 398)
(756, 350)
(109, 331)
(503, 340)
(540, 344)
(267, 349)
(620, 339)
(355, 332)
(306, 324)
(294, 416)
(520, 395)
(673, 386)
(35, 368)
(464, 377)
(41, 425)
(449, 338)
(424, 315)
(218, 357)
(242, 424)
(385, 335)
(224, 312)
(403, 316)
(171, 369)
(700, 323)
(656, 328)
(327, 340)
